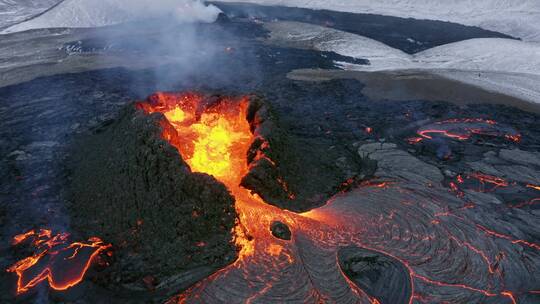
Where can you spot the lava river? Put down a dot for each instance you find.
(449, 257)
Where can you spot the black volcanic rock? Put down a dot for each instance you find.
(222, 18)
(292, 170)
(379, 275)
(280, 230)
(133, 189)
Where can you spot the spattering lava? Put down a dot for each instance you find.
(214, 138)
(55, 260)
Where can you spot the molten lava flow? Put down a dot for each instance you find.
(535, 187)
(61, 263)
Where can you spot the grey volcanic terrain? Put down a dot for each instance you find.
(364, 187)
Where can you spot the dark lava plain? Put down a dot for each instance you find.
(333, 133)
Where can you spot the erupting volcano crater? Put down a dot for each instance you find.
(179, 184)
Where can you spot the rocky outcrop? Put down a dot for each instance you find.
(379, 275)
(294, 171)
(280, 230)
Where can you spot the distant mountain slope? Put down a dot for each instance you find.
(480, 54)
(518, 18)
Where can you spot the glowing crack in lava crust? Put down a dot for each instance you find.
(55, 260)
(448, 257)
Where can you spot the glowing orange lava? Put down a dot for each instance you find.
(215, 139)
(535, 187)
(61, 263)
(469, 126)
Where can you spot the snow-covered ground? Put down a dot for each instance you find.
(484, 54)
(94, 13)
(506, 66)
(518, 18)
(14, 11)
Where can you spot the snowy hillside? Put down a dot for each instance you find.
(83, 13)
(518, 18)
(488, 54)
(304, 35)
(14, 11)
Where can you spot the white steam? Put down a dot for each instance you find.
(182, 10)
(95, 13)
